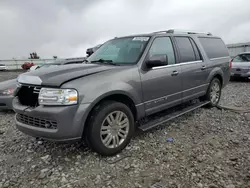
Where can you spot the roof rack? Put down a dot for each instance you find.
(174, 31)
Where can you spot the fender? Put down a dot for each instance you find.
(96, 93)
(122, 88)
(214, 72)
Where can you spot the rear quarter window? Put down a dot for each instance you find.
(214, 47)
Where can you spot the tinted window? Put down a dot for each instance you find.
(163, 46)
(214, 47)
(186, 49)
(196, 50)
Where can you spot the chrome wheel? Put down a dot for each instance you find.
(114, 129)
(215, 93)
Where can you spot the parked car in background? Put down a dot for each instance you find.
(6, 94)
(128, 82)
(3, 67)
(7, 87)
(241, 65)
(27, 65)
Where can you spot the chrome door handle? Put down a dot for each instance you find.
(174, 73)
(203, 67)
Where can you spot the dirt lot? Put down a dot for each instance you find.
(210, 148)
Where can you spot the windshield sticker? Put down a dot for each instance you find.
(141, 38)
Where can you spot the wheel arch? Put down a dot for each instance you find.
(216, 73)
(219, 78)
(119, 96)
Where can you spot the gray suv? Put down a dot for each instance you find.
(129, 82)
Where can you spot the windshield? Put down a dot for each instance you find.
(242, 58)
(126, 50)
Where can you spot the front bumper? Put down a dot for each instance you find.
(69, 121)
(6, 102)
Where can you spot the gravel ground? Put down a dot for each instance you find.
(210, 148)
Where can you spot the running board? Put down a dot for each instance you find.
(169, 116)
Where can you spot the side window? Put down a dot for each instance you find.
(196, 50)
(186, 49)
(214, 47)
(163, 46)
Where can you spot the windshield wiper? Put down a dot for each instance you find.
(105, 61)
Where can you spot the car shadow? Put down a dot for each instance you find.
(3, 111)
(239, 80)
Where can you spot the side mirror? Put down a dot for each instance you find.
(157, 60)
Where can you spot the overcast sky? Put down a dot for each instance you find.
(67, 27)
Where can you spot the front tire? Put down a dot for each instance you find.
(110, 128)
(213, 93)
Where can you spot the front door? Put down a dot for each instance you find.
(194, 70)
(161, 85)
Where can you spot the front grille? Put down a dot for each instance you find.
(36, 122)
(28, 95)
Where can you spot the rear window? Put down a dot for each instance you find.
(214, 47)
(242, 58)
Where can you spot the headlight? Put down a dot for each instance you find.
(50, 96)
(8, 91)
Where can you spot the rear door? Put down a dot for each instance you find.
(193, 68)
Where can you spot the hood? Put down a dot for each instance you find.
(56, 76)
(8, 84)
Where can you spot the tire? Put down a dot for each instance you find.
(211, 91)
(101, 120)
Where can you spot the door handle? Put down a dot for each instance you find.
(203, 67)
(174, 73)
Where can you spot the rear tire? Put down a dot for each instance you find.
(213, 93)
(109, 128)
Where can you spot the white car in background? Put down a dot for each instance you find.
(3, 67)
(241, 66)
